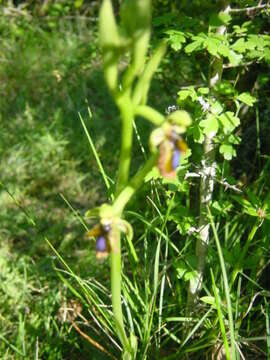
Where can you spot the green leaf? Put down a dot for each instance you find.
(78, 3)
(220, 19)
(203, 90)
(181, 269)
(267, 54)
(221, 208)
(190, 275)
(216, 107)
(255, 54)
(246, 98)
(212, 45)
(242, 29)
(166, 19)
(184, 94)
(227, 151)
(210, 300)
(239, 46)
(224, 50)
(251, 211)
(229, 121)
(234, 139)
(210, 125)
(224, 17)
(234, 58)
(257, 40)
(225, 88)
(195, 45)
(196, 132)
(176, 39)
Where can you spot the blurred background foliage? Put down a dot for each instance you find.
(50, 70)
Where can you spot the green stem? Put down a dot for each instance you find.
(116, 277)
(150, 114)
(127, 115)
(119, 205)
(116, 289)
(126, 194)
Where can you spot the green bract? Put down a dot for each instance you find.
(108, 32)
(136, 21)
(136, 17)
(109, 42)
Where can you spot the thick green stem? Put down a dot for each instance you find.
(150, 114)
(124, 193)
(116, 277)
(127, 115)
(126, 109)
(119, 205)
(116, 289)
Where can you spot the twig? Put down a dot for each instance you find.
(249, 9)
(223, 182)
(229, 66)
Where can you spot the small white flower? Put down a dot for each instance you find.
(172, 108)
(205, 105)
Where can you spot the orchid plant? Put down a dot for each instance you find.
(129, 90)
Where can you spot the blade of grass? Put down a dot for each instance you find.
(226, 285)
(154, 229)
(220, 317)
(196, 327)
(98, 161)
(162, 285)
(75, 213)
(12, 346)
(243, 253)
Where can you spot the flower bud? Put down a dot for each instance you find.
(136, 16)
(136, 20)
(108, 32)
(181, 119)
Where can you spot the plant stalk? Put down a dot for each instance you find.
(126, 194)
(116, 280)
(206, 185)
(127, 115)
(124, 191)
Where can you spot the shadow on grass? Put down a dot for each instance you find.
(47, 79)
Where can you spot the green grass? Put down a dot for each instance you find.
(44, 153)
(50, 176)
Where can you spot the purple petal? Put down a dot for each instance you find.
(101, 244)
(175, 158)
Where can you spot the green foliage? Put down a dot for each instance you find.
(50, 70)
